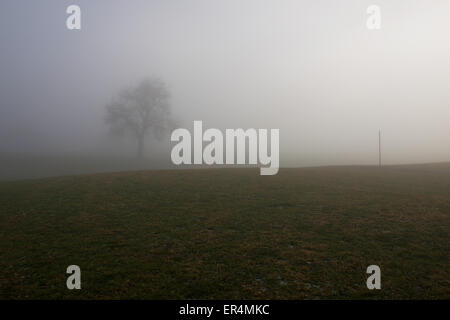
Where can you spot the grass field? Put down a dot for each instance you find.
(229, 234)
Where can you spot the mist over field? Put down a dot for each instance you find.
(95, 123)
(309, 68)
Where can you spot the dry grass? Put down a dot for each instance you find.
(229, 234)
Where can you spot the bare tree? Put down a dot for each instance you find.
(140, 111)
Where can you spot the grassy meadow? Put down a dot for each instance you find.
(306, 233)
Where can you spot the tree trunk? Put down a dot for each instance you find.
(140, 147)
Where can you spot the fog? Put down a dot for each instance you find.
(309, 68)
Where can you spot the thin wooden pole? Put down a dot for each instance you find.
(379, 148)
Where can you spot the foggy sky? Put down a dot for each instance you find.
(310, 68)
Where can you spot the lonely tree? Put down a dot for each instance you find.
(140, 111)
